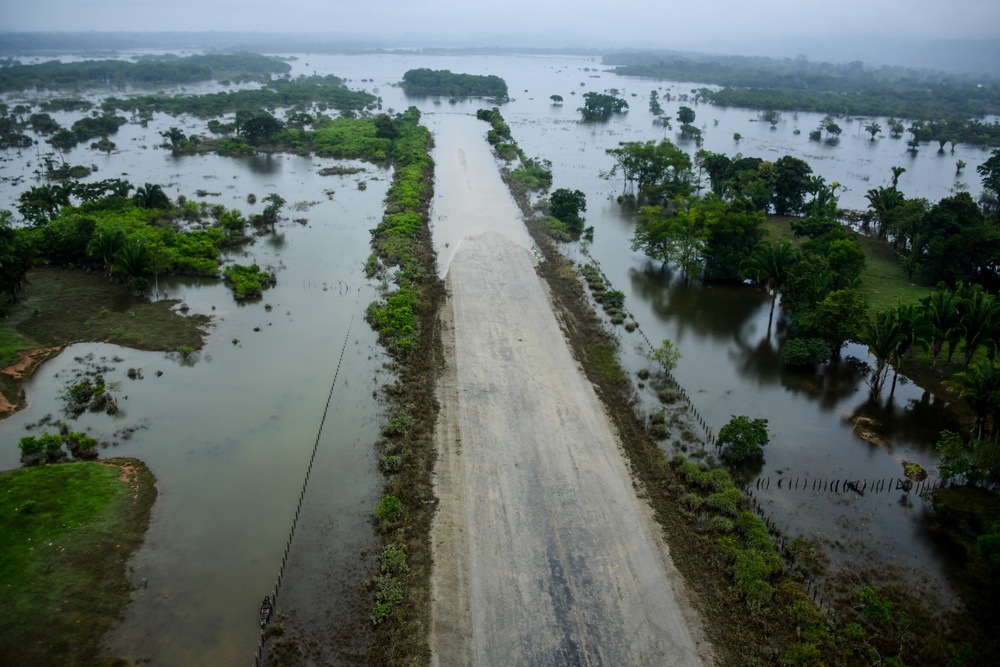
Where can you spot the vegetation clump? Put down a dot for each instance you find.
(424, 81)
(247, 281)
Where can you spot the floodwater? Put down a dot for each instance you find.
(230, 433)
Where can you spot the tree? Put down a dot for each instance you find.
(979, 387)
(962, 245)
(734, 230)
(598, 106)
(791, 183)
(260, 126)
(719, 168)
(667, 355)
(840, 317)
(105, 244)
(133, 260)
(656, 168)
(274, 204)
(897, 171)
(990, 173)
(979, 318)
(41, 204)
(873, 129)
(15, 258)
(944, 319)
(385, 127)
(565, 205)
(769, 265)
(882, 200)
(175, 136)
(556, 99)
(654, 104)
(685, 115)
(151, 196)
(744, 437)
(883, 336)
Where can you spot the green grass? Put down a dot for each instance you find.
(61, 307)
(68, 530)
(883, 280)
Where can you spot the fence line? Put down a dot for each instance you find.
(861, 487)
(258, 656)
(709, 438)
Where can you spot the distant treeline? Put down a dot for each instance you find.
(148, 71)
(326, 91)
(844, 89)
(425, 81)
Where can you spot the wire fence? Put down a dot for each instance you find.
(259, 654)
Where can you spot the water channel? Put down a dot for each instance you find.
(229, 434)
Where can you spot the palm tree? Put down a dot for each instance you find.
(979, 387)
(151, 196)
(979, 316)
(133, 260)
(873, 128)
(896, 173)
(769, 265)
(175, 136)
(883, 336)
(882, 200)
(942, 314)
(915, 330)
(105, 244)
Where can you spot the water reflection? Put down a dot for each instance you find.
(264, 164)
(715, 311)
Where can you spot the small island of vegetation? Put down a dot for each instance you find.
(424, 81)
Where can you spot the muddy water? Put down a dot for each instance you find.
(229, 434)
(462, 157)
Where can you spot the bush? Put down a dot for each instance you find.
(247, 282)
(388, 509)
(805, 352)
(745, 437)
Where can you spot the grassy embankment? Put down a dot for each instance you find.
(62, 307)
(404, 260)
(69, 531)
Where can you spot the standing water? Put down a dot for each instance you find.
(230, 433)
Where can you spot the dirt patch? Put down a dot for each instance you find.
(29, 360)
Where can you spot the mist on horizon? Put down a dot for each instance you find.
(923, 34)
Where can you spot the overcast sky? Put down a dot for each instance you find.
(666, 23)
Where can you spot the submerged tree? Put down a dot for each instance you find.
(744, 437)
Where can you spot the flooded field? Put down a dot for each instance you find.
(229, 433)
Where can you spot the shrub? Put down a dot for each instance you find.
(613, 299)
(805, 352)
(247, 282)
(667, 355)
(399, 424)
(388, 509)
(745, 437)
(393, 560)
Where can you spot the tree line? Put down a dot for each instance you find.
(960, 102)
(162, 70)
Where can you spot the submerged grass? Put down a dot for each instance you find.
(69, 530)
(65, 306)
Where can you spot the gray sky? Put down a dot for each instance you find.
(664, 23)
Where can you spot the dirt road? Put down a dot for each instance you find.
(543, 553)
